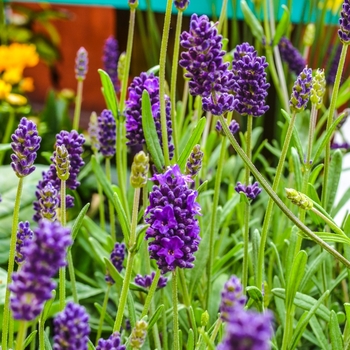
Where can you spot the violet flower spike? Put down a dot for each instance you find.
(81, 64)
(112, 343)
(107, 133)
(344, 23)
(24, 236)
(251, 191)
(301, 91)
(110, 60)
(117, 258)
(233, 127)
(25, 144)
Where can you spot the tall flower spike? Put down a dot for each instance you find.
(25, 143)
(139, 170)
(62, 162)
(181, 5)
(71, 328)
(299, 199)
(194, 161)
(93, 132)
(138, 334)
(309, 35)
(81, 64)
(318, 88)
(107, 133)
(49, 202)
(344, 23)
(251, 191)
(110, 60)
(291, 56)
(112, 343)
(174, 230)
(117, 257)
(24, 236)
(301, 91)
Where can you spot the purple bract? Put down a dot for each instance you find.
(344, 23)
(24, 236)
(81, 64)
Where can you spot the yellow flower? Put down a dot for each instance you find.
(332, 5)
(27, 84)
(16, 100)
(5, 89)
(12, 75)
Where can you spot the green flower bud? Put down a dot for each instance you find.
(62, 162)
(139, 170)
(121, 66)
(309, 35)
(138, 335)
(300, 199)
(318, 88)
(205, 318)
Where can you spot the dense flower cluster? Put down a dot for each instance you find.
(146, 281)
(32, 284)
(117, 259)
(301, 91)
(133, 112)
(110, 60)
(81, 64)
(251, 191)
(48, 203)
(107, 133)
(71, 328)
(291, 56)
(24, 236)
(344, 23)
(112, 343)
(174, 230)
(25, 143)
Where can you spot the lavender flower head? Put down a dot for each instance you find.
(133, 111)
(117, 259)
(107, 133)
(81, 64)
(344, 23)
(301, 91)
(231, 298)
(174, 230)
(45, 255)
(233, 127)
(110, 60)
(25, 143)
(181, 5)
(291, 56)
(48, 202)
(251, 191)
(112, 343)
(194, 161)
(71, 328)
(146, 281)
(24, 236)
(248, 330)
(250, 86)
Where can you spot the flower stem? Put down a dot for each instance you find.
(222, 15)
(8, 131)
(150, 294)
(21, 335)
(103, 314)
(186, 297)
(101, 207)
(72, 276)
(162, 63)
(62, 271)
(11, 263)
(329, 122)
(110, 204)
(77, 109)
(175, 312)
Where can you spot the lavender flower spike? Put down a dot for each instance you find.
(146, 281)
(112, 343)
(251, 191)
(181, 5)
(25, 143)
(81, 64)
(24, 236)
(194, 161)
(110, 60)
(344, 23)
(71, 328)
(291, 56)
(301, 91)
(117, 258)
(107, 133)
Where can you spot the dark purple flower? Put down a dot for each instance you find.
(234, 127)
(344, 23)
(173, 227)
(81, 64)
(49, 201)
(71, 328)
(291, 56)
(133, 111)
(219, 104)
(117, 259)
(181, 5)
(251, 191)
(343, 145)
(112, 343)
(248, 330)
(24, 236)
(146, 281)
(333, 67)
(25, 143)
(110, 60)
(301, 91)
(107, 133)
(231, 298)
(194, 161)
(45, 255)
(249, 81)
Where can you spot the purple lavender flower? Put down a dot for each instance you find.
(181, 5)
(25, 143)
(112, 343)
(231, 298)
(45, 255)
(343, 145)
(133, 112)
(107, 133)
(110, 60)
(194, 161)
(81, 64)
(249, 81)
(332, 71)
(344, 23)
(251, 191)
(24, 236)
(219, 104)
(117, 258)
(146, 281)
(301, 91)
(291, 56)
(71, 328)
(48, 202)
(173, 226)
(233, 127)
(248, 330)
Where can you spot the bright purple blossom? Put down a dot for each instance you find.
(81, 64)
(251, 191)
(117, 259)
(344, 23)
(146, 281)
(107, 133)
(301, 91)
(219, 104)
(71, 328)
(291, 56)
(112, 343)
(24, 236)
(110, 60)
(25, 144)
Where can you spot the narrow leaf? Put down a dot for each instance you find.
(296, 168)
(333, 179)
(29, 339)
(108, 317)
(109, 92)
(282, 26)
(334, 332)
(155, 316)
(79, 221)
(252, 21)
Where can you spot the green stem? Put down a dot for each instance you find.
(329, 123)
(265, 185)
(8, 131)
(78, 100)
(155, 331)
(129, 264)
(110, 204)
(186, 297)
(175, 312)
(72, 276)
(173, 82)
(330, 223)
(21, 335)
(103, 314)
(150, 294)
(164, 321)
(41, 334)
(62, 271)
(11, 263)
(101, 207)
(162, 63)
(222, 15)
(216, 329)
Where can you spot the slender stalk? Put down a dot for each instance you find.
(11, 263)
(62, 271)
(8, 131)
(329, 123)
(150, 294)
(11, 332)
(110, 204)
(162, 63)
(101, 207)
(21, 335)
(129, 264)
(72, 276)
(175, 312)
(155, 331)
(164, 321)
(216, 329)
(78, 100)
(103, 314)
(186, 297)
(41, 334)
(222, 15)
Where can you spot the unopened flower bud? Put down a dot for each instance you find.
(62, 162)
(138, 334)
(204, 318)
(181, 5)
(81, 64)
(93, 132)
(318, 88)
(121, 65)
(300, 199)
(133, 4)
(309, 35)
(194, 161)
(139, 170)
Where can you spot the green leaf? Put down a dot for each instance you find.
(108, 317)
(296, 168)
(315, 173)
(91, 346)
(282, 26)
(333, 179)
(202, 187)
(253, 23)
(131, 309)
(343, 200)
(99, 251)
(47, 307)
(109, 92)
(319, 333)
(334, 332)
(96, 231)
(47, 342)
(29, 339)
(190, 340)
(227, 257)
(79, 221)
(332, 237)
(255, 294)
(155, 316)
(5, 147)
(153, 70)
(192, 141)
(124, 223)
(150, 132)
